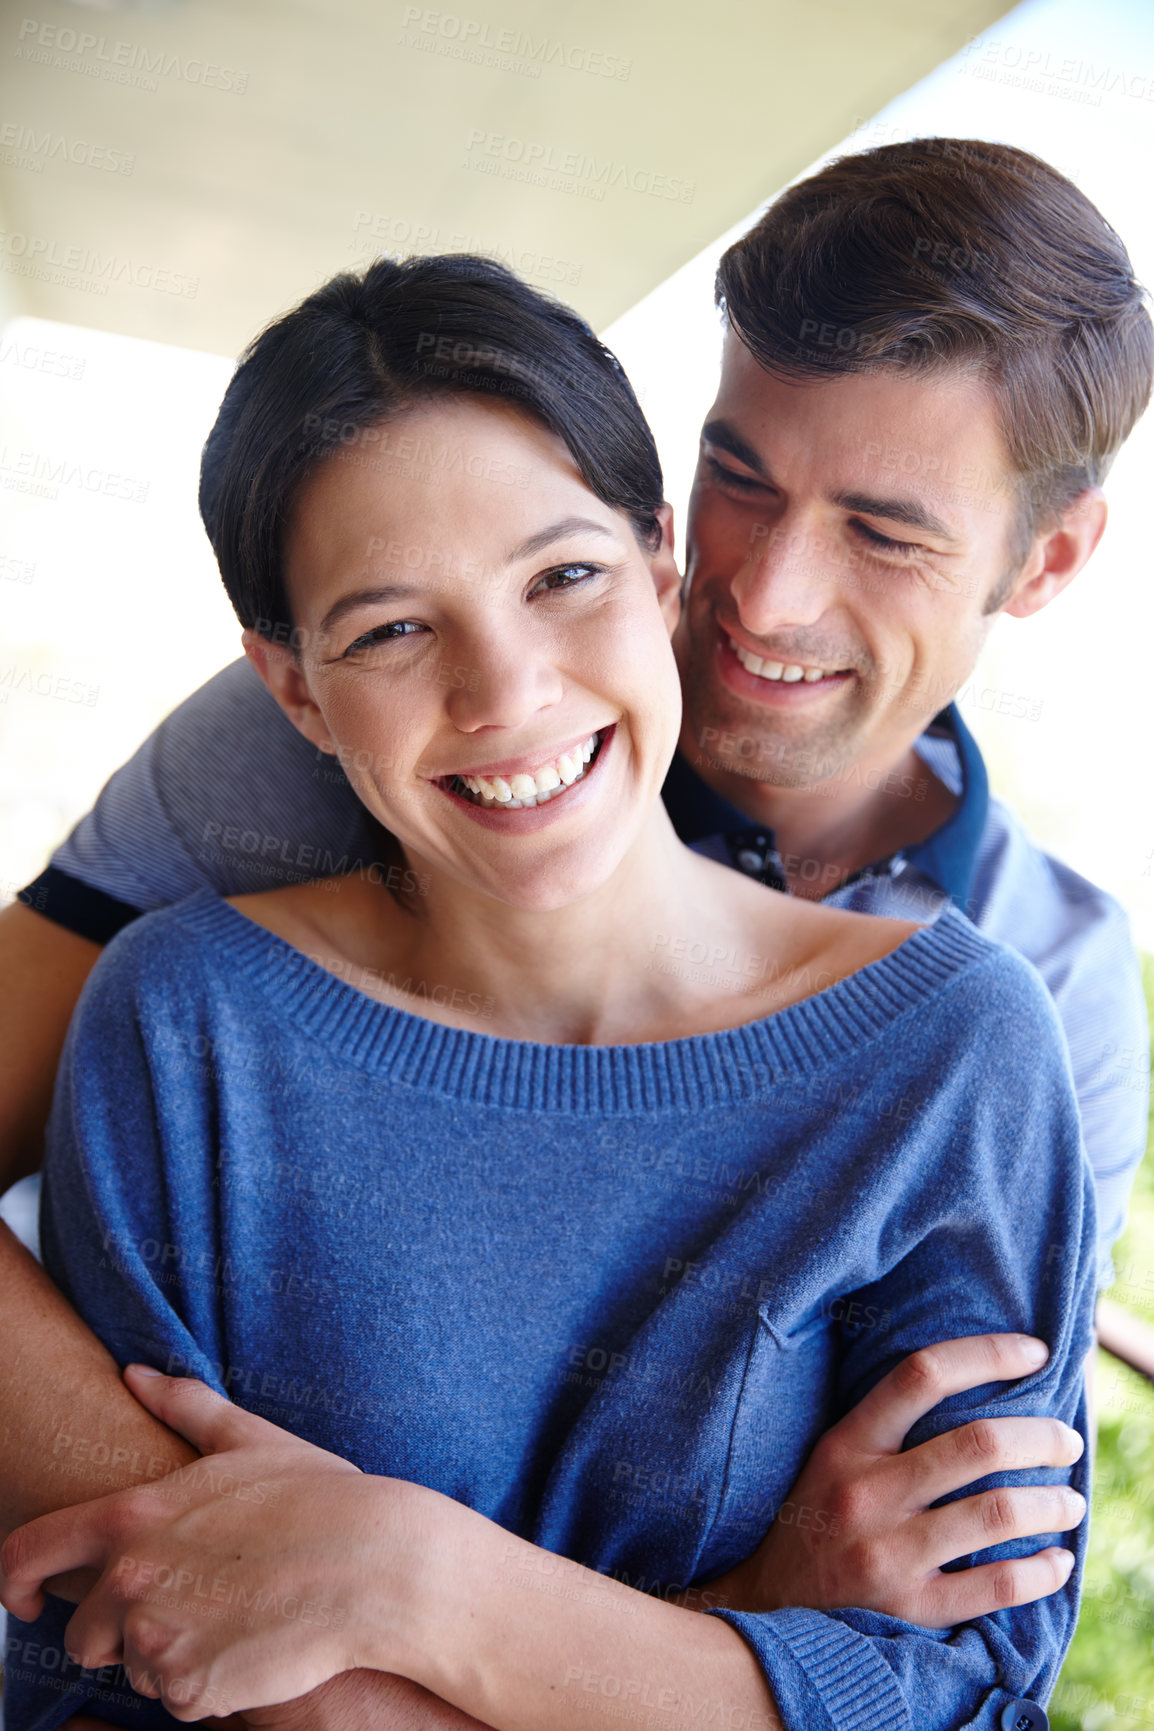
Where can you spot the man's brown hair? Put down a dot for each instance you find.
(954, 252)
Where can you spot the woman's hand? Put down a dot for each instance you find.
(857, 1528)
(249, 1577)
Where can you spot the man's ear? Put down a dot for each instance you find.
(280, 668)
(666, 576)
(1057, 556)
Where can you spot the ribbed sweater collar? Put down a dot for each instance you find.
(737, 1064)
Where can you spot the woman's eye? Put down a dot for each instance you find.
(384, 634)
(730, 478)
(886, 543)
(566, 577)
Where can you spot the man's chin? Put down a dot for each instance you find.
(787, 752)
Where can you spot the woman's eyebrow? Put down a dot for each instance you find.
(555, 532)
(381, 593)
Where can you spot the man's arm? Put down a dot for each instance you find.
(44, 967)
(71, 1430)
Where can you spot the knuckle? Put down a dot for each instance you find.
(998, 1512)
(150, 1638)
(14, 1555)
(981, 1442)
(1004, 1587)
(128, 1512)
(848, 1505)
(922, 1375)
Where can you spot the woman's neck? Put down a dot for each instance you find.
(580, 974)
(670, 945)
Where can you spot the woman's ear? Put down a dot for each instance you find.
(666, 576)
(280, 668)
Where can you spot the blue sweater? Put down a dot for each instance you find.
(608, 1296)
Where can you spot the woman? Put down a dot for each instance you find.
(597, 1312)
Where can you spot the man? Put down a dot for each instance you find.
(933, 352)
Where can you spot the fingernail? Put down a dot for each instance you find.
(144, 1369)
(1066, 1560)
(1034, 1351)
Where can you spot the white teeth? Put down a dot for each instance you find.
(788, 672)
(536, 789)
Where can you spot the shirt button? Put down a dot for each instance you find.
(1024, 1716)
(749, 861)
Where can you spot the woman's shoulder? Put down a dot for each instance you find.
(173, 954)
(982, 996)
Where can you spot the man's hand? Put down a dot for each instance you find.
(251, 1576)
(877, 1543)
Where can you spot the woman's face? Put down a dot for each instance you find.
(485, 647)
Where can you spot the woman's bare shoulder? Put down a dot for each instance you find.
(309, 913)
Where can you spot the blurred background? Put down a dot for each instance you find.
(175, 173)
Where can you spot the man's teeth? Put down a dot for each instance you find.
(536, 789)
(788, 672)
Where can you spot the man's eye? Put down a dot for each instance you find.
(384, 634)
(730, 478)
(566, 577)
(886, 543)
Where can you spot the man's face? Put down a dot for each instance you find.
(844, 538)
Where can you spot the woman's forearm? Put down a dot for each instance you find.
(521, 1638)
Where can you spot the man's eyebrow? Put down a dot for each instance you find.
(556, 532)
(721, 434)
(380, 593)
(908, 511)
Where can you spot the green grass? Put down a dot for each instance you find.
(1108, 1677)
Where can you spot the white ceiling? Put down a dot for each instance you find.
(183, 171)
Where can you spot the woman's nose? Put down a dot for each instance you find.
(501, 682)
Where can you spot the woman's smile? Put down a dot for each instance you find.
(528, 784)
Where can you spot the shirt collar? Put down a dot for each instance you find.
(948, 857)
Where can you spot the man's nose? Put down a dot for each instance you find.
(787, 579)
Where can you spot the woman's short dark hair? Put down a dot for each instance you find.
(367, 345)
(942, 252)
